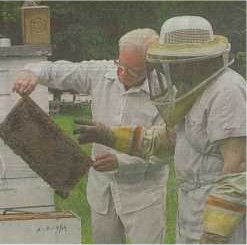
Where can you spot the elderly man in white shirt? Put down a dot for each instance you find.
(126, 193)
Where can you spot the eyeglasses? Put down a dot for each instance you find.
(130, 71)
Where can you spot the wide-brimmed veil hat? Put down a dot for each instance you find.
(184, 40)
(187, 36)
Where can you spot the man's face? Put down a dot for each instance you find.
(131, 67)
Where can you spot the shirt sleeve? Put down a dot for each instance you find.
(227, 113)
(67, 75)
(231, 187)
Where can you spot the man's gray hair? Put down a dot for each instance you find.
(140, 39)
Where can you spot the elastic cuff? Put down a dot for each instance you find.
(221, 217)
(123, 138)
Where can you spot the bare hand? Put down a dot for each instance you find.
(105, 162)
(25, 83)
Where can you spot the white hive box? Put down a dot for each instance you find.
(22, 190)
(18, 183)
(49, 227)
(26, 194)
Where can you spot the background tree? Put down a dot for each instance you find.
(91, 29)
(9, 20)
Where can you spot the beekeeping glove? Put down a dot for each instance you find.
(90, 131)
(225, 208)
(122, 138)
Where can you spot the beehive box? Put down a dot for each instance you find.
(19, 185)
(49, 152)
(49, 227)
(35, 24)
(25, 194)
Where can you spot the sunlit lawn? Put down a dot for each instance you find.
(77, 201)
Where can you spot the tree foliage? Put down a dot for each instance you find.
(9, 20)
(91, 29)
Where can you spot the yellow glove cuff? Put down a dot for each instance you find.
(127, 139)
(221, 217)
(123, 137)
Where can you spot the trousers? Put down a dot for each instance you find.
(142, 226)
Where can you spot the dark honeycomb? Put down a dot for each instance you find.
(49, 152)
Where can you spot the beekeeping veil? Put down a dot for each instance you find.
(182, 64)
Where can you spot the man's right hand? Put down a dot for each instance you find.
(25, 83)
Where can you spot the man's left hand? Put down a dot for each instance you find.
(105, 162)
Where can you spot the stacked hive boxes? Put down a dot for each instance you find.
(20, 188)
(20, 185)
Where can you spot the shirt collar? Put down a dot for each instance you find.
(111, 76)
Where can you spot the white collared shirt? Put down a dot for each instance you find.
(136, 183)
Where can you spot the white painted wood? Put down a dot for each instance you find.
(21, 170)
(61, 230)
(5, 105)
(20, 188)
(15, 166)
(21, 192)
(9, 66)
(4, 86)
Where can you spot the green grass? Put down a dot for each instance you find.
(77, 201)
